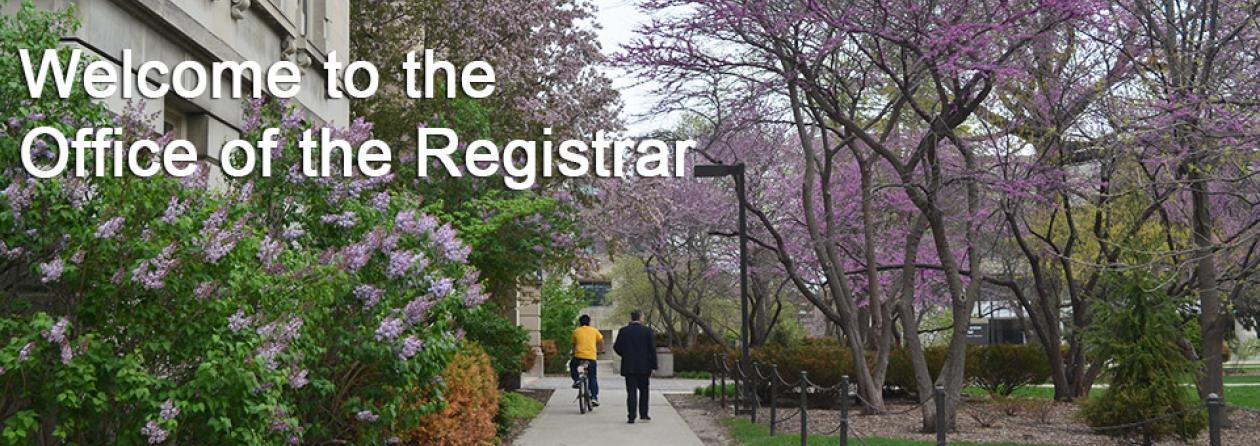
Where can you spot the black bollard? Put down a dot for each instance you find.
(844, 410)
(774, 396)
(713, 381)
(939, 394)
(723, 388)
(1214, 419)
(804, 411)
(753, 375)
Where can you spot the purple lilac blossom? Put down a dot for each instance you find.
(410, 347)
(390, 328)
(415, 310)
(268, 250)
(369, 294)
(155, 433)
(215, 220)
(238, 321)
(268, 353)
(205, 289)
(297, 379)
(441, 287)
(367, 415)
(355, 256)
(347, 219)
(168, 410)
(380, 201)
(19, 197)
(57, 333)
(174, 209)
(198, 180)
(52, 270)
(400, 262)
(25, 353)
(413, 223)
(67, 354)
(474, 296)
(292, 233)
(109, 228)
(151, 273)
(453, 249)
(246, 191)
(221, 242)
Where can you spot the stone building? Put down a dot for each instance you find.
(208, 31)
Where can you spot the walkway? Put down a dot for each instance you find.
(560, 424)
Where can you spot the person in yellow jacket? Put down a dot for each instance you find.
(587, 343)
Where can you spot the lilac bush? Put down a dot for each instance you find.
(159, 310)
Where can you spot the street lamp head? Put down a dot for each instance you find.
(717, 170)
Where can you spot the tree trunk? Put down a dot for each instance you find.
(1210, 319)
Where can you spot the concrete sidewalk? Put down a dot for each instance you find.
(560, 424)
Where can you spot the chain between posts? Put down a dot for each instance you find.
(804, 386)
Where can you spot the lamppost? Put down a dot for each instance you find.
(736, 171)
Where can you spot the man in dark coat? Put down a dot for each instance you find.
(636, 345)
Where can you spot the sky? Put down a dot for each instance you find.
(619, 19)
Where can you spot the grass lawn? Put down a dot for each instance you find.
(515, 407)
(1239, 379)
(1047, 392)
(748, 434)
(1243, 396)
(1027, 392)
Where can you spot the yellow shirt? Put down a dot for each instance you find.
(584, 339)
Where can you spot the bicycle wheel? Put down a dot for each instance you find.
(586, 397)
(582, 397)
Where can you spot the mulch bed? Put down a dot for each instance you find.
(1030, 421)
(702, 417)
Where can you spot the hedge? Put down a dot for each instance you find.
(699, 357)
(999, 368)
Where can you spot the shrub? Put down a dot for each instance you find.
(901, 373)
(505, 342)
(1003, 368)
(698, 357)
(1137, 329)
(823, 360)
(471, 396)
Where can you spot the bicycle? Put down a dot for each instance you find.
(584, 390)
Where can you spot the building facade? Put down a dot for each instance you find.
(208, 31)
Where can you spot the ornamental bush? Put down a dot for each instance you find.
(470, 397)
(1001, 369)
(901, 372)
(824, 360)
(698, 357)
(268, 310)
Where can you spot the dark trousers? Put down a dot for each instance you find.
(590, 374)
(637, 395)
